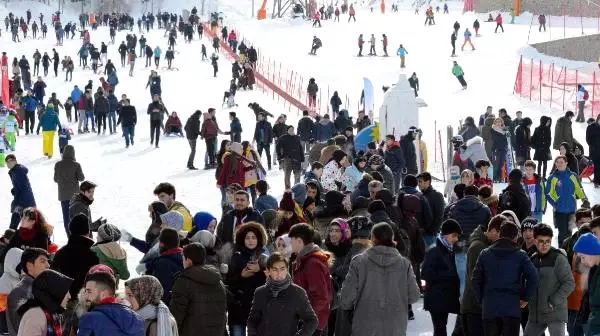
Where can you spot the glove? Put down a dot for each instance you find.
(141, 269)
(126, 236)
(96, 224)
(585, 204)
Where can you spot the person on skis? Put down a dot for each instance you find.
(361, 42)
(316, 44)
(467, 35)
(453, 43)
(372, 42)
(385, 44)
(402, 53)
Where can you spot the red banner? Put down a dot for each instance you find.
(4, 87)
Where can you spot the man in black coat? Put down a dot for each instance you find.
(394, 159)
(289, 149)
(409, 151)
(101, 108)
(263, 136)
(240, 214)
(127, 119)
(437, 203)
(306, 130)
(592, 137)
(192, 131)
(514, 197)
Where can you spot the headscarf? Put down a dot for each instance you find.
(148, 291)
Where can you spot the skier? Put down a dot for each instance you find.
(351, 13)
(372, 41)
(360, 44)
(402, 53)
(385, 43)
(317, 19)
(499, 23)
(213, 61)
(169, 55)
(476, 27)
(453, 43)
(542, 21)
(316, 44)
(123, 53)
(458, 72)
(467, 35)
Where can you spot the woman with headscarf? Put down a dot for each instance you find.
(333, 171)
(144, 294)
(467, 177)
(33, 231)
(353, 174)
(337, 243)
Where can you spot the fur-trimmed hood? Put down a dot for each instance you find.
(474, 140)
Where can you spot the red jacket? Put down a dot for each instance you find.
(360, 41)
(351, 10)
(499, 19)
(232, 36)
(337, 12)
(81, 103)
(233, 170)
(311, 272)
(480, 182)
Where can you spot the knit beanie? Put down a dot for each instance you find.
(515, 176)
(450, 226)
(528, 223)
(79, 225)
(108, 233)
(287, 203)
(202, 219)
(101, 268)
(587, 244)
(299, 193)
(343, 225)
(360, 226)
(173, 219)
(205, 238)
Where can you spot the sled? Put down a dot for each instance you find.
(587, 172)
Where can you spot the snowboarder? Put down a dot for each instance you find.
(458, 72)
(316, 44)
(402, 53)
(361, 41)
(467, 35)
(453, 43)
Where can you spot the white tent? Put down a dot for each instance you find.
(399, 110)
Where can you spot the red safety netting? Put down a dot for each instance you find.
(556, 87)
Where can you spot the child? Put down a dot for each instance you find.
(64, 135)
(109, 252)
(534, 187)
(11, 130)
(442, 293)
(482, 177)
(68, 108)
(2, 148)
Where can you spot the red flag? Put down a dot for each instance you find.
(4, 87)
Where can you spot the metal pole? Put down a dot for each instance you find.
(252, 8)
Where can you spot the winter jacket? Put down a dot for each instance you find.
(164, 268)
(40, 240)
(410, 154)
(324, 130)
(457, 70)
(173, 121)
(111, 319)
(49, 120)
(312, 88)
(469, 131)
(113, 103)
(156, 110)
(380, 274)
(311, 272)
(10, 278)
(281, 315)
(192, 127)
(477, 242)
(332, 176)
(289, 147)
(199, 301)
(443, 285)
(263, 133)
(114, 256)
(497, 279)
(77, 248)
(394, 158)
(235, 129)
(388, 177)
(29, 103)
(540, 194)
(548, 304)
(542, 140)
(209, 129)
(19, 295)
(306, 128)
(21, 190)
(265, 202)
(279, 130)
(563, 189)
(68, 174)
(229, 222)
(515, 199)
(522, 144)
(101, 106)
(474, 151)
(437, 204)
(233, 170)
(351, 177)
(342, 121)
(327, 152)
(80, 205)
(242, 289)
(470, 213)
(127, 116)
(563, 133)
(592, 137)
(335, 102)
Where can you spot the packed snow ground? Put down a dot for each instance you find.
(126, 177)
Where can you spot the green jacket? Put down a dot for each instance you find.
(457, 70)
(477, 242)
(549, 301)
(114, 256)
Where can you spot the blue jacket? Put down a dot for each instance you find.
(112, 79)
(157, 52)
(155, 88)
(164, 268)
(111, 319)
(21, 190)
(49, 120)
(563, 189)
(264, 202)
(39, 90)
(75, 94)
(540, 195)
(236, 126)
(29, 103)
(498, 279)
(401, 51)
(470, 213)
(113, 103)
(324, 130)
(394, 158)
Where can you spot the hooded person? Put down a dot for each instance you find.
(8, 281)
(209, 241)
(168, 263)
(203, 221)
(376, 164)
(144, 294)
(287, 215)
(473, 150)
(514, 197)
(283, 245)
(109, 252)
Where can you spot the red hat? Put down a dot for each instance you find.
(287, 203)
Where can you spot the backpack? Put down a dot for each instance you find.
(410, 206)
(586, 95)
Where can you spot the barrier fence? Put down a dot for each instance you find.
(578, 21)
(284, 83)
(556, 86)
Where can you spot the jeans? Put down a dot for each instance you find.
(154, 131)
(536, 329)
(89, 115)
(29, 121)
(397, 181)
(128, 133)
(190, 162)
(237, 330)
(112, 121)
(210, 149)
(101, 120)
(473, 324)
(501, 326)
(439, 321)
(267, 148)
(65, 212)
(561, 222)
(461, 268)
(81, 114)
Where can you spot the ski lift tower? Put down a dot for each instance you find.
(280, 7)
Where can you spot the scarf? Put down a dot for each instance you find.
(446, 243)
(277, 286)
(161, 314)
(26, 234)
(53, 324)
(308, 248)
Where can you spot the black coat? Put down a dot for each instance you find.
(280, 316)
(442, 293)
(289, 146)
(542, 140)
(128, 116)
(266, 129)
(241, 290)
(74, 260)
(410, 154)
(592, 137)
(523, 144)
(306, 128)
(101, 106)
(437, 205)
(394, 158)
(499, 141)
(225, 229)
(514, 198)
(470, 213)
(192, 127)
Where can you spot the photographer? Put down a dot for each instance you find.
(473, 151)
